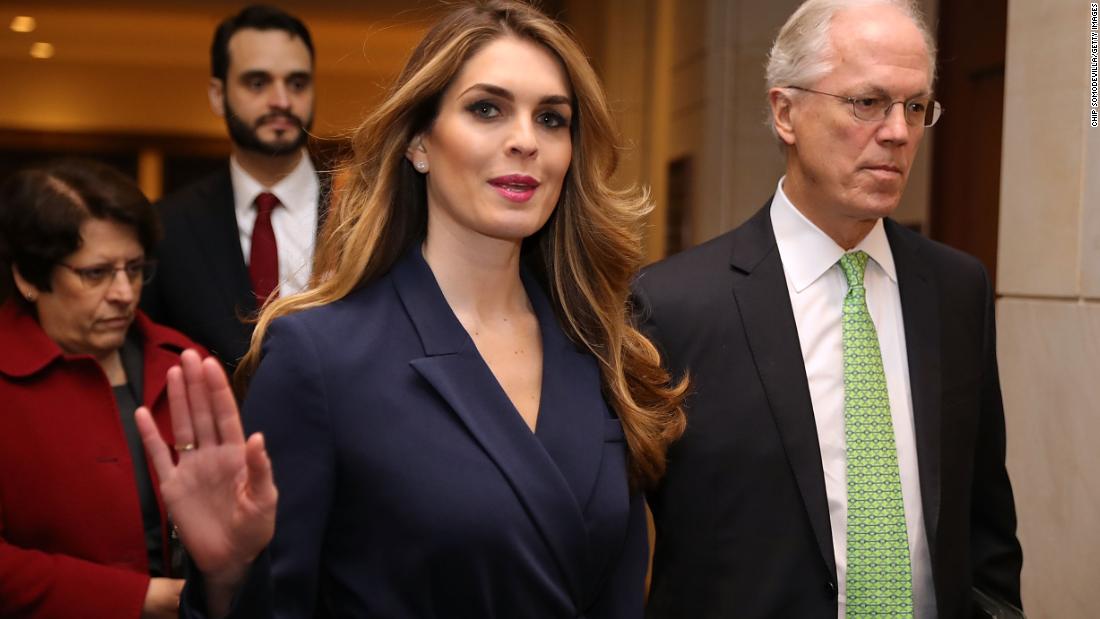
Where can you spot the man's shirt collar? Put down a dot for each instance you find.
(808, 253)
(295, 191)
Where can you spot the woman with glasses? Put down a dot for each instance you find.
(83, 530)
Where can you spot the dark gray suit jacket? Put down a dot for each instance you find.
(202, 287)
(742, 518)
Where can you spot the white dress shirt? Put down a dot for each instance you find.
(817, 289)
(294, 222)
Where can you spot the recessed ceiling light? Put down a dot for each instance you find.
(23, 23)
(41, 50)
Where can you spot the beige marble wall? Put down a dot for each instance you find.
(1049, 309)
(1090, 219)
(741, 162)
(1049, 350)
(1044, 139)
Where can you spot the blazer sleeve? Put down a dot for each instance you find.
(994, 548)
(39, 584)
(287, 402)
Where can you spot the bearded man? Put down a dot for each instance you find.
(247, 232)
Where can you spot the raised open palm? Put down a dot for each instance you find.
(220, 494)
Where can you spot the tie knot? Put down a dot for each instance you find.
(265, 203)
(853, 265)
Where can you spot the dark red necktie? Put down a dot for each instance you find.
(263, 264)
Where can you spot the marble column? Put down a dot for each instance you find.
(1049, 305)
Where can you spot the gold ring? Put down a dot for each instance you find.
(184, 447)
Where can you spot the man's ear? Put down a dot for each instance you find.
(216, 93)
(781, 103)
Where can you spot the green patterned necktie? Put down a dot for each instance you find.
(878, 582)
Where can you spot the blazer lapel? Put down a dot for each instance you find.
(455, 369)
(919, 308)
(760, 291)
(572, 410)
(214, 224)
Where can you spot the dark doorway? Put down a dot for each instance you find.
(966, 159)
(678, 220)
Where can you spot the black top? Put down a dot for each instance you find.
(128, 398)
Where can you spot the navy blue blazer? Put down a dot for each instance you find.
(409, 486)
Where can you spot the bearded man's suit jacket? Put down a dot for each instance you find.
(202, 287)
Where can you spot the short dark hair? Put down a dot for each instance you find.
(42, 209)
(258, 17)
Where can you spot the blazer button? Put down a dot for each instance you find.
(830, 587)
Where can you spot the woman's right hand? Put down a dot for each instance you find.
(221, 493)
(162, 599)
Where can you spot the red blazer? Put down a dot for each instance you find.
(71, 537)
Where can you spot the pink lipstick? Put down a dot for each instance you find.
(515, 187)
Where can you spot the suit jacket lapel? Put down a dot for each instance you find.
(214, 224)
(919, 307)
(760, 291)
(324, 202)
(455, 369)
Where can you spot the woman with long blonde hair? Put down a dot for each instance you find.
(459, 415)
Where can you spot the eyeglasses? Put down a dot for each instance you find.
(918, 110)
(100, 275)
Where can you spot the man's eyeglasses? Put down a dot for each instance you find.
(102, 274)
(918, 110)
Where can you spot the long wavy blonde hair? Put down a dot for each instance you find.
(585, 255)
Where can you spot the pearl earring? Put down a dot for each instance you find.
(422, 166)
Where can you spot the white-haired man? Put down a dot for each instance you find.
(845, 446)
